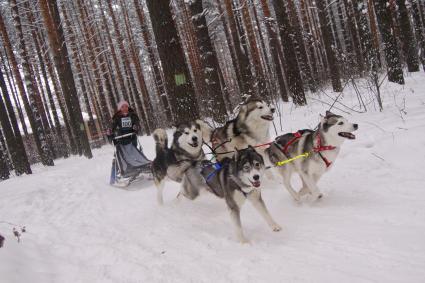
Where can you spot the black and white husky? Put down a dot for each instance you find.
(237, 179)
(186, 149)
(250, 127)
(322, 147)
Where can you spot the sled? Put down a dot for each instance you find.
(129, 164)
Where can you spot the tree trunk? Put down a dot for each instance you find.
(242, 58)
(353, 26)
(274, 49)
(177, 78)
(395, 71)
(407, 38)
(66, 78)
(11, 131)
(161, 93)
(330, 52)
(4, 168)
(145, 103)
(295, 83)
(209, 62)
(419, 30)
(299, 42)
(12, 87)
(31, 106)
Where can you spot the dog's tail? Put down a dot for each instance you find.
(161, 140)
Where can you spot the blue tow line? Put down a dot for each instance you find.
(217, 167)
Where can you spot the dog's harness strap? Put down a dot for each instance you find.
(297, 135)
(217, 167)
(319, 148)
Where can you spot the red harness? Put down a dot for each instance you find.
(318, 149)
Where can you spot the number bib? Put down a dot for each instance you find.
(125, 122)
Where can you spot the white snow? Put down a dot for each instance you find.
(369, 227)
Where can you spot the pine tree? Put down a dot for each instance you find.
(419, 31)
(176, 73)
(395, 72)
(59, 49)
(209, 62)
(330, 51)
(295, 83)
(11, 131)
(31, 105)
(407, 38)
(160, 88)
(4, 168)
(274, 49)
(241, 56)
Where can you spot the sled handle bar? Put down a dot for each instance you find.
(123, 136)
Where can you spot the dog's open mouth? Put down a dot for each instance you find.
(194, 144)
(347, 135)
(267, 117)
(255, 183)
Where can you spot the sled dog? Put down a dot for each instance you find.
(322, 146)
(235, 180)
(250, 127)
(186, 150)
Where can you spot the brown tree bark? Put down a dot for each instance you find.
(299, 42)
(330, 53)
(242, 58)
(176, 73)
(66, 78)
(209, 62)
(255, 53)
(30, 104)
(11, 132)
(407, 38)
(395, 72)
(419, 31)
(150, 121)
(295, 83)
(274, 49)
(160, 88)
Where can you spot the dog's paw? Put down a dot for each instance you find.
(304, 191)
(296, 197)
(244, 241)
(276, 227)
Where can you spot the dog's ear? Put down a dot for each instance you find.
(250, 147)
(329, 113)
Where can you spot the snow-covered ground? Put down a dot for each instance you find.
(369, 227)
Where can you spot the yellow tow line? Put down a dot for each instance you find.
(281, 163)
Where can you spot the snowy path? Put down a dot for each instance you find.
(370, 226)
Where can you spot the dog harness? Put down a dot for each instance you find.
(317, 149)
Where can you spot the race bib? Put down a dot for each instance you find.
(126, 122)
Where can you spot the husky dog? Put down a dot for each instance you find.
(235, 180)
(250, 127)
(186, 149)
(322, 146)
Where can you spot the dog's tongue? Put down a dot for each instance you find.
(256, 183)
(347, 135)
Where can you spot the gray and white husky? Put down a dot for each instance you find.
(322, 145)
(186, 149)
(250, 127)
(237, 179)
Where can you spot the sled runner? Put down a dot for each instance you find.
(129, 163)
